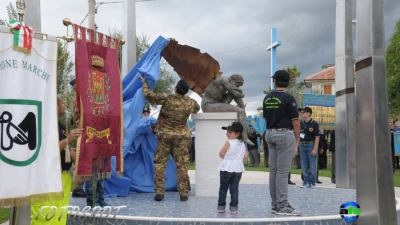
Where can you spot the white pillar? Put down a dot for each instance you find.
(375, 189)
(209, 140)
(345, 100)
(129, 48)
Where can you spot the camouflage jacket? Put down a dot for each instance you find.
(174, 113)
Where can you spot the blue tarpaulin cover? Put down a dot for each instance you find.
(258, 123)
(139, 141)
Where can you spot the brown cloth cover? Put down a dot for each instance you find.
(196, 68)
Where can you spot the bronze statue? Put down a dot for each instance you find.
(218, 95)
(201, 72)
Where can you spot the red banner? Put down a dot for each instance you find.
(99, 97)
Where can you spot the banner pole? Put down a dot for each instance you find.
(94, 188)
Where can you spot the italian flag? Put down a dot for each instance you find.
(22, 36)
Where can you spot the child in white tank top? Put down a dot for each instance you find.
(232, 154)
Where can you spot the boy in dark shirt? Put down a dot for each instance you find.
(309, 142)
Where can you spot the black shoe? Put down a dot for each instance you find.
(103, 204)
(319, 182)
(291, 183)
(78, 193)
(183, 198)
(333, 180)
(158, 197)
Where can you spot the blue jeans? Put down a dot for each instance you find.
(308, 164)
(229, 180)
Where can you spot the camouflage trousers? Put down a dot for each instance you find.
(177, 145)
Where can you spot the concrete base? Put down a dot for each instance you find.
(209, 140)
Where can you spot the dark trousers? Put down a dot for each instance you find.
(192, 151)
(254, 156)
(322, 161)
(333, 167)
(229, 180)
(99, 193)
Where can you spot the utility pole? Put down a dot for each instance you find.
(345, 154)
(129, 48)
(375, 192)
(92, 14)
(273, 48)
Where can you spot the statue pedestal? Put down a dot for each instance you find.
(209, 140)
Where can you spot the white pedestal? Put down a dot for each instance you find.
(209, 140)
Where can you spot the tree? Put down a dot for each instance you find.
(393, 72)
(164, 84)
(295, 88)
(12, 12)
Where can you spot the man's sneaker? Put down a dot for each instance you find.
(158, 197)
(291, 183)
(319, 182)
(183, 198)
(305, 186)
(313, 186)
(287, 211)
(273, 209)
(221, 209)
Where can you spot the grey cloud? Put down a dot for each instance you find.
(235, 32)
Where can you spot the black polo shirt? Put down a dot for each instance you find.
(62, 135)
(309, 130)
(279, 109)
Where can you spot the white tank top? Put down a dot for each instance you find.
(233, 160)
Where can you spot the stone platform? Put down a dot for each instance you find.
(319, 206)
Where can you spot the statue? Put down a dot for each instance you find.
(218, 95)
(201, 73)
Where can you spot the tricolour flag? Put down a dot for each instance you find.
(30, 168)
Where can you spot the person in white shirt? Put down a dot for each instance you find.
(231, 168)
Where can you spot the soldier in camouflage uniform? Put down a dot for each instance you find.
(173, 135)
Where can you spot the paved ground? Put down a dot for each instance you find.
(253, 200)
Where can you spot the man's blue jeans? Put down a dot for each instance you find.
(308, 164)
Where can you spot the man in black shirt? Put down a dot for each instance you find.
(309, 142)
(283, 128)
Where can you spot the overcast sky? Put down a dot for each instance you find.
(235, 32)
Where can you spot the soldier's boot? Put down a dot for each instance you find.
(158, 197)
(183, 198)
